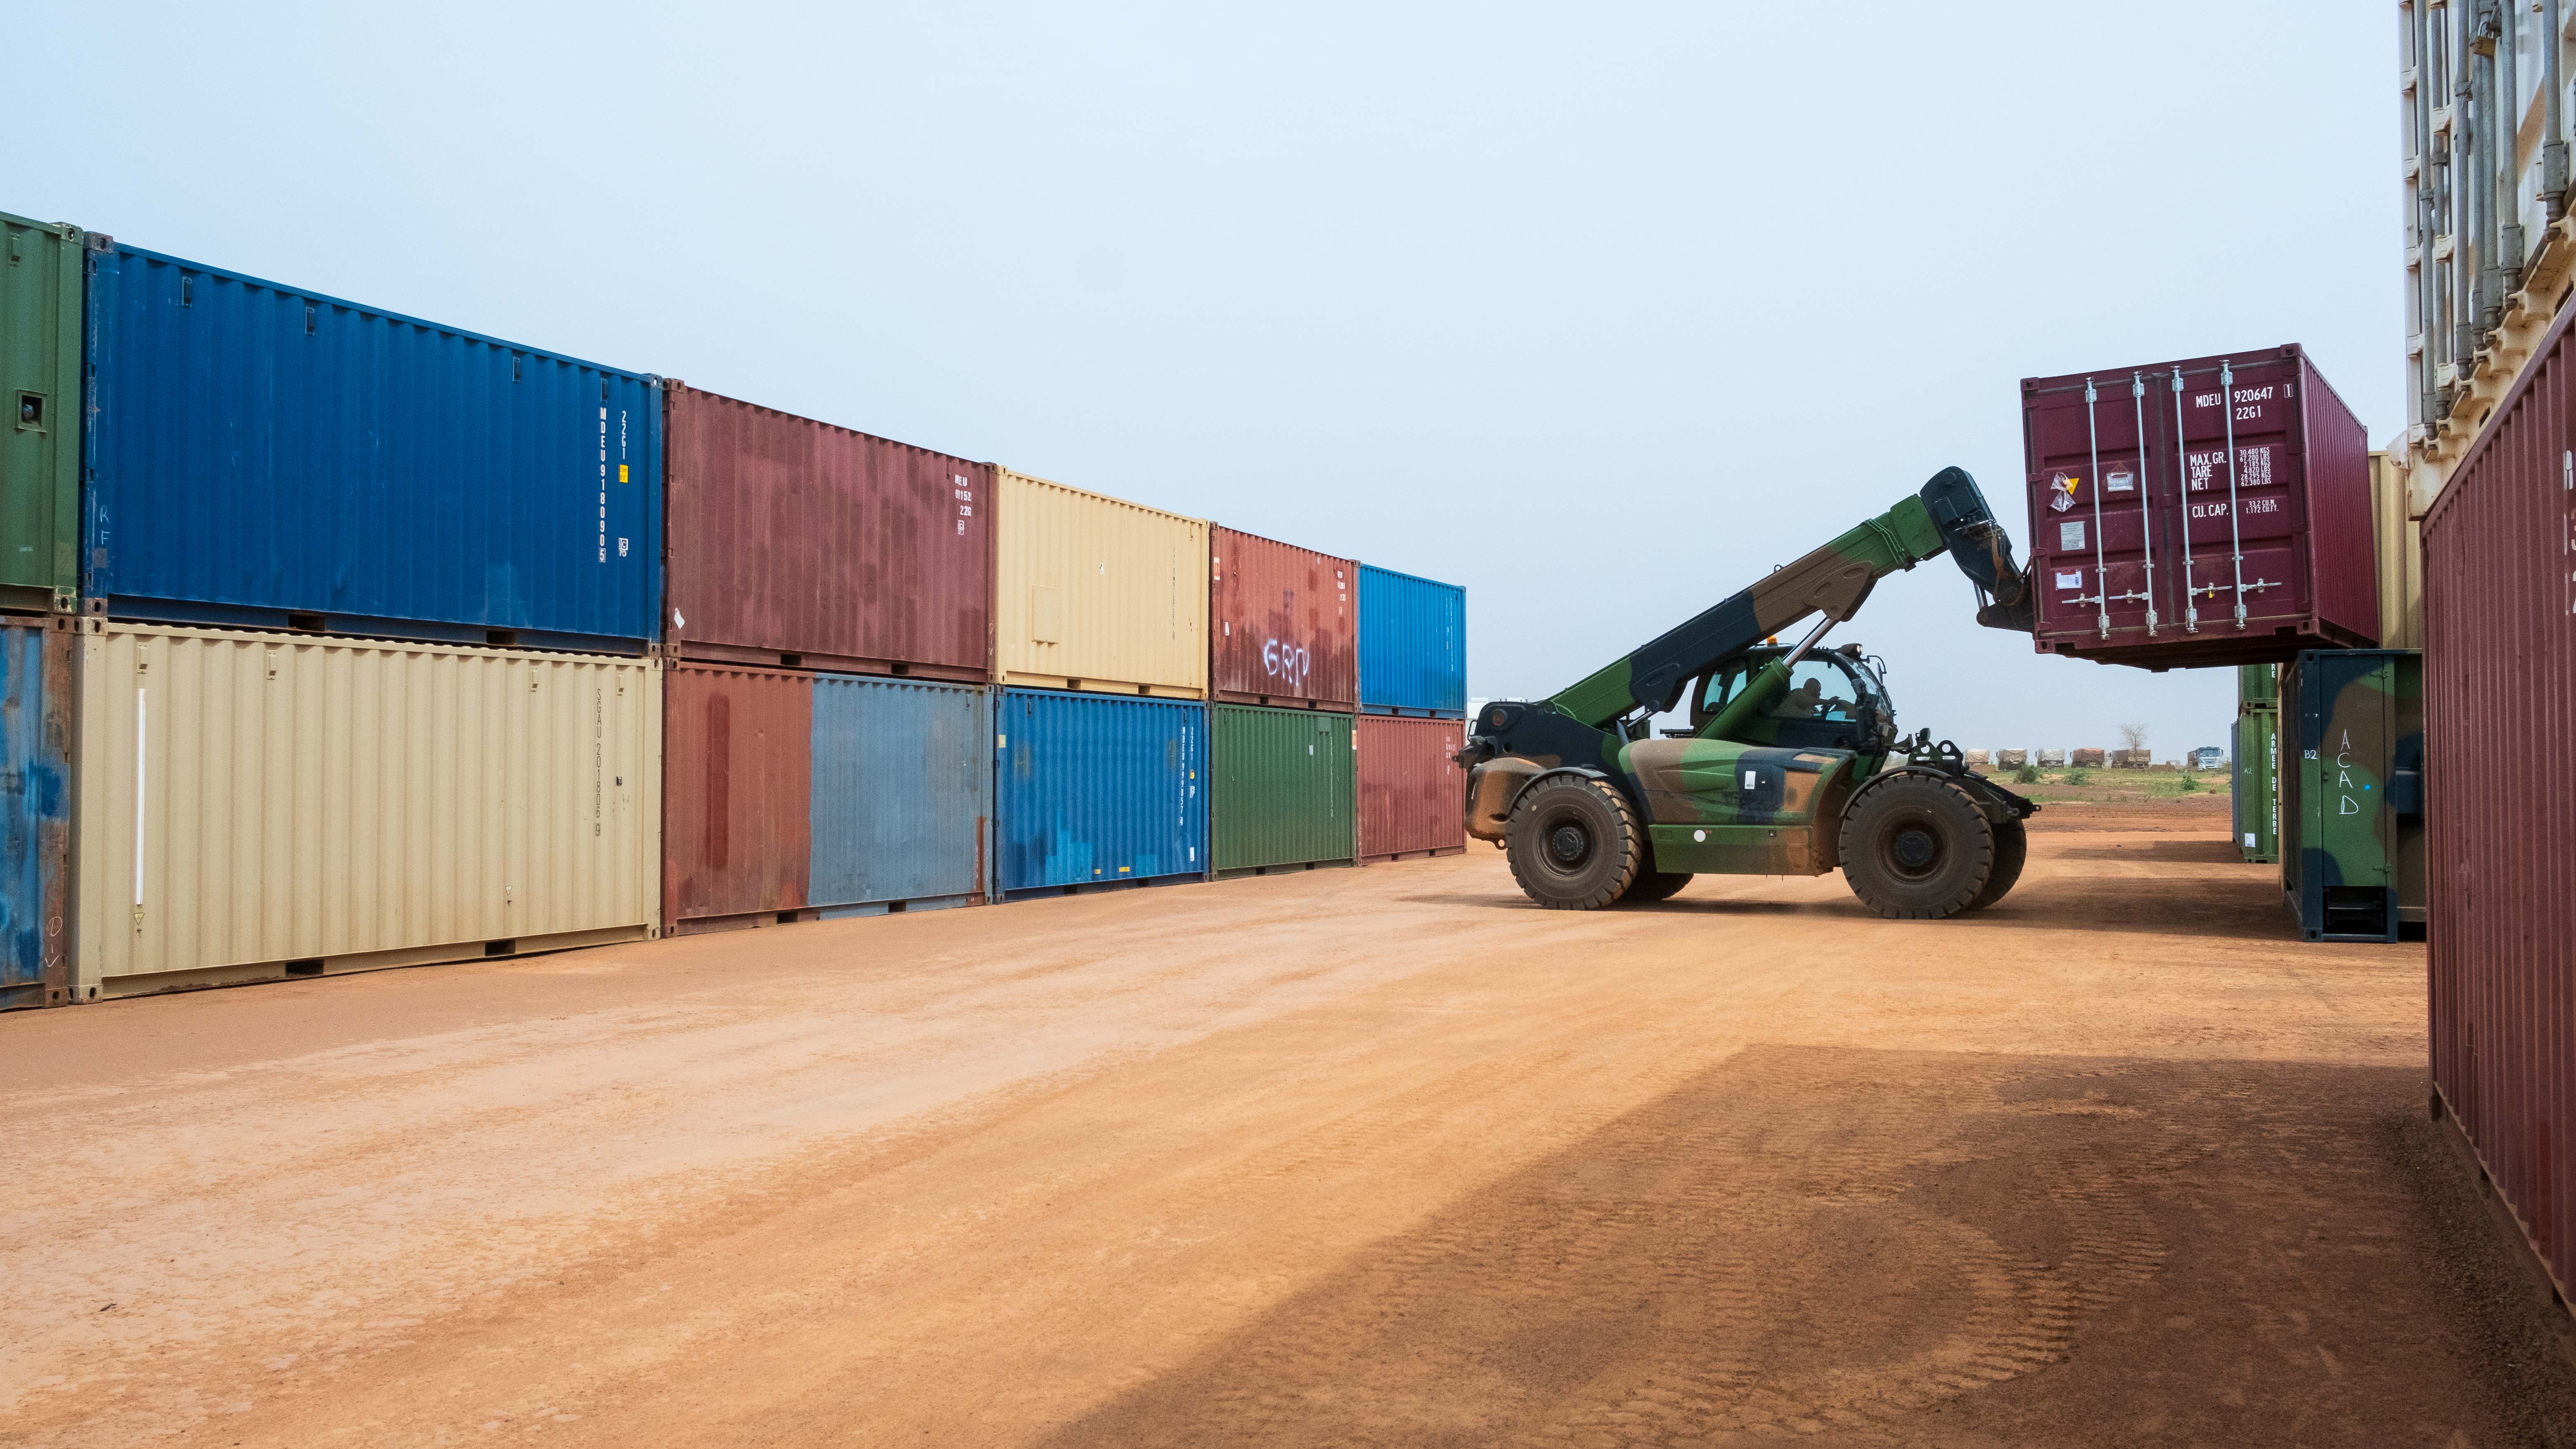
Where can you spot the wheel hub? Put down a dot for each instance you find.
(1569, 844)
(1915, 849)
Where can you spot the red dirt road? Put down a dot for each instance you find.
(1379, 1156)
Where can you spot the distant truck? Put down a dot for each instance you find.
(2207, 757)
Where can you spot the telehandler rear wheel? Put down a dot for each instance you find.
(1575, 843)
(2012, 850)
(1916, 848)
(1651, 886)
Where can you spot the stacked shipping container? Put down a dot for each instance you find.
(803, 547)
(369, 647)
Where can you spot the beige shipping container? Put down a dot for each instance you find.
(2399, 541)
(1097, 593)
(255, 806)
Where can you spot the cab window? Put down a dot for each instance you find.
(1817, 690)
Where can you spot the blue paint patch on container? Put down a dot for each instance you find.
(35, 817)
(1413, 645)
(902, 793)
(1098, 790)
(259, 456)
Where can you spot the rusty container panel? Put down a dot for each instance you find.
(800, 544)
(35, 813)
(2500, 745)
(736, 790)
(1412, 794)
(2147, 533)
(1283, 623)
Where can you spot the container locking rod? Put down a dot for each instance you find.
(2146, 524)
(2235, 533)
(2182, 500)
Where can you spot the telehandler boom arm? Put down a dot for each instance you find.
(1948, 515)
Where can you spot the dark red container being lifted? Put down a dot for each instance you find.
(799, 544)
(2499, 815)
(1283, 624)
(2206, 512)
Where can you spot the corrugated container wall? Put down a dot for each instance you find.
(737, 781)
(1413, 645)
(40, 453)
(2484, 230)
(1412, 794)
(792, 795)
(2399, 539)
(1283, 623)
(1096, 593)
(2500, 745)
(1097, 790)
(2147, 532)
(1281, 787)
(2255, 792)
(2258, 686)
(265, 457)
(36, 715)
(253, 806)
(798, 543)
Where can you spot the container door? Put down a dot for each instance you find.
(40, 360)
(2346, 885)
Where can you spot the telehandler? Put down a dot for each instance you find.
(1792, 764)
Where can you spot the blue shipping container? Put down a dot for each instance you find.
(900, 793)
(1413, 645)
(35, 813)
(1095, 789)
(257, 453)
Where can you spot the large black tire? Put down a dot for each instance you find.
(1575, 843)
(1917, 848)
(1651, 886)
(2012, 850)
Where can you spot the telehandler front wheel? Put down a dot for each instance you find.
(1575, 843)
(1651, 886)
(1916, 848)
(2012, 851)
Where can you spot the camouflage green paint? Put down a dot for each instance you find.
(1835, 579)
(2257, 761)
(1785, 798)
(2258, 686)
(2353, 796)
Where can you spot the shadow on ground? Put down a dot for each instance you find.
(1859, 1247)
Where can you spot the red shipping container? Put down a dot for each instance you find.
(1413, 796)
(797, 543)
(2145, 536)
(1283, 624)
(737, 791)
(2500, 819)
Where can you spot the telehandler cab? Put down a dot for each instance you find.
(1792, 764)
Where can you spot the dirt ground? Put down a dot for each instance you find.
(1350, 1157)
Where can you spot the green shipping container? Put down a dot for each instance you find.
(2258, 798)
(2352, 802)
(2258, 686)
(1281, 788)
(40, 355)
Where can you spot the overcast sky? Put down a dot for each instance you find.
(1601, 313)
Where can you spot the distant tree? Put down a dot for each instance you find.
(2133, 737)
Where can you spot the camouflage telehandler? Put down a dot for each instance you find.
(1792, 764)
